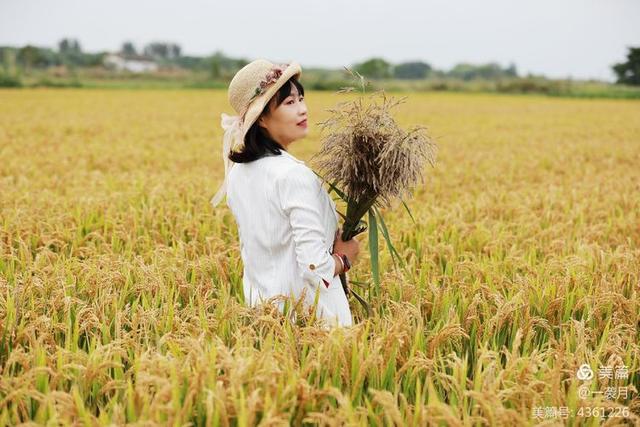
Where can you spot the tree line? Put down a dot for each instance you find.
(219, 66)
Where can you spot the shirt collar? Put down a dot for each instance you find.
(289, 155)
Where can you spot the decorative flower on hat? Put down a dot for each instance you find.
(272, 76)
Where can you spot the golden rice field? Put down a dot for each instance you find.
(121, 296)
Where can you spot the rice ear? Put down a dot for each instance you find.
(368, 154)
(370, 157)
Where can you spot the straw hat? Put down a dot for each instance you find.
(249, 92)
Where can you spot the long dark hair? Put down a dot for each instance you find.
(257, 142)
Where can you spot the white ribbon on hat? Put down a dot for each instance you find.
(232, 126)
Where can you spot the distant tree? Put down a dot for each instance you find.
(30, 56)
(463, 71)
(163, 50)
(411, 70)
(629, 72)
(69, 46)
(511, 71)
(128, 48)
(93, 59)
(216, 65)
(239, 63)
(48, 57)
(490, 71)
(155, 49)
(174, 51)
(9, 57)
(374, 68)
(70, 52)
(438, 73)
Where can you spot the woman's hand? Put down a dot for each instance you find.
(351, 248)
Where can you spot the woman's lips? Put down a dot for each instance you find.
(303, 123)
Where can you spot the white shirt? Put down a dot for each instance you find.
(286, 224)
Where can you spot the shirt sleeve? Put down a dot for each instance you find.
(299, 192)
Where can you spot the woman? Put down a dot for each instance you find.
(287, 223)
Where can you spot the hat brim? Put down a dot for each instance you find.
(258, 104)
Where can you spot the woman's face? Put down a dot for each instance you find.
(287, 122)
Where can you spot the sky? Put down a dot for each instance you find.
(557, 38)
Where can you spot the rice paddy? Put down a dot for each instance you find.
(121, 288)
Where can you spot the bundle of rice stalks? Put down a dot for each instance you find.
(370, 161)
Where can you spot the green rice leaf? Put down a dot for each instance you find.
(359, 283)
(333, 187)
(407, 208)
(385, 233)
(338, 192)
(373, 249)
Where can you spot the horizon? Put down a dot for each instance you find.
(440, 34)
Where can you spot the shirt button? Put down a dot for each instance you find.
(311, 266)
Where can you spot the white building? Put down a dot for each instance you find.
(133, 63)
